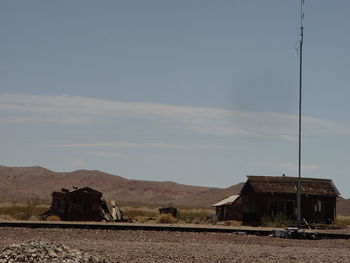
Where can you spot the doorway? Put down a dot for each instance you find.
(289, 208)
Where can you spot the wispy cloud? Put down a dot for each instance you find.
(112, 155)
(137, 145)
(75, 110)
(119, 144)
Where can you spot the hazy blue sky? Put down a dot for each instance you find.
(196, 92)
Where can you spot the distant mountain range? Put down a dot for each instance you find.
(24, 183)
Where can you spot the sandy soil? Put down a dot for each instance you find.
(151, 246)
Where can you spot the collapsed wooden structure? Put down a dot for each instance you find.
(82, 204)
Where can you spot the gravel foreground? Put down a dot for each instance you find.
(75, 245)
(37, 251)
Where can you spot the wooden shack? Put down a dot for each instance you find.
(83, 204)
(267, 196)
(229, 208)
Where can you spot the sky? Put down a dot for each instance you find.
(198, 92)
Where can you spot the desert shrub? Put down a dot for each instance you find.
(137, 213)
(195, 216)
(28, 210)
(343, 221)
(166, 219)
(143, 219)
(53, 218)
(276, 221)
(233, 223)
(24, 211)
(11, 210)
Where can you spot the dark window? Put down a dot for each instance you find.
(273, 208)
(289, 208)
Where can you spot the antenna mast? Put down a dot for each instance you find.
(300, 101)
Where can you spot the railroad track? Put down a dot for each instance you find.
(148, 227)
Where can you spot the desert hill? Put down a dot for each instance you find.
(343, 207)
(23, 183)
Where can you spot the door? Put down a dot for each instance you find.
(319, 215)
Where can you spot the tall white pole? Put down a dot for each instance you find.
(300, 102)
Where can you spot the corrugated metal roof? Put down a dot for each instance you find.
(227, 201)
(285, 184)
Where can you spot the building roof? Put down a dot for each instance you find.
(285, 184)
(227, 201)
(75, 190)
(86, 190)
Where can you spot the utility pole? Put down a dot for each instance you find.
(298, 217)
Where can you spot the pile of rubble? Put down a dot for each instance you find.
(44, 252)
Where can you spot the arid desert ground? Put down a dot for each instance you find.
(152, 246)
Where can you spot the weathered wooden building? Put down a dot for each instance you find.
(271, 196)
(229, 208)
(83, 204)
